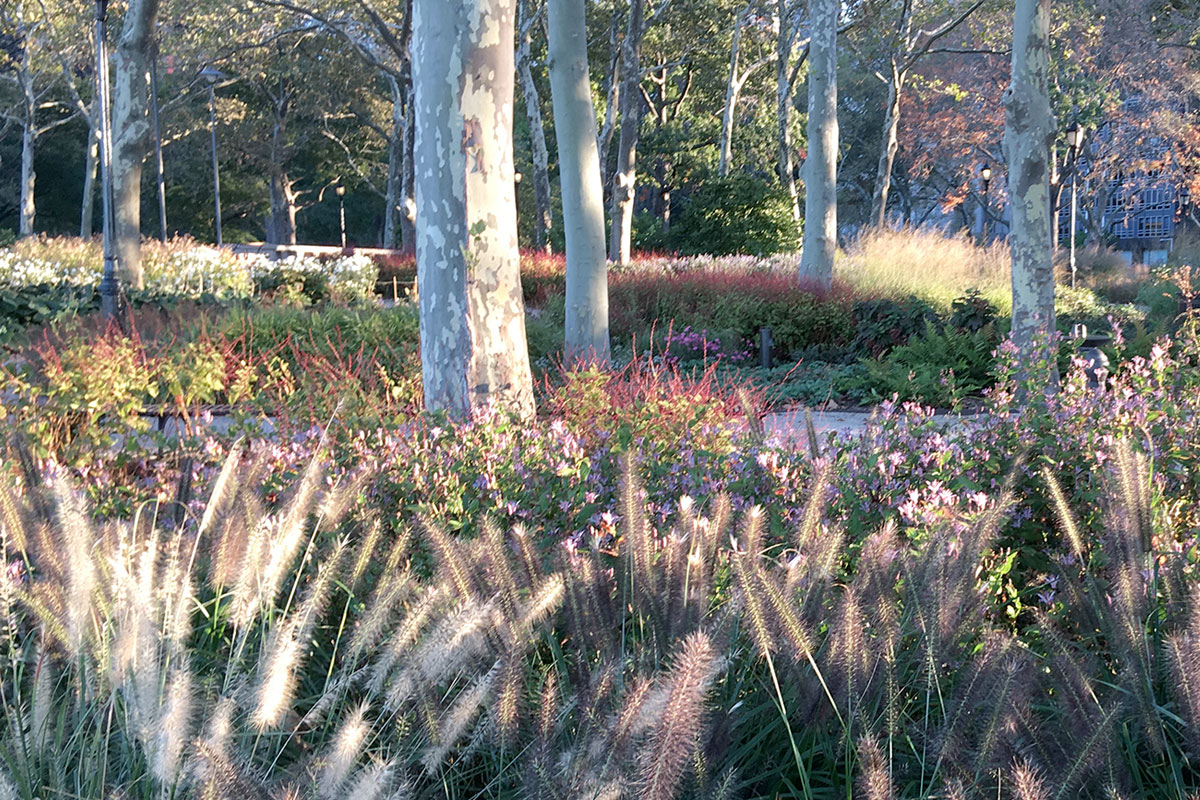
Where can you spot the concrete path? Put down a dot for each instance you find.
(790, 424)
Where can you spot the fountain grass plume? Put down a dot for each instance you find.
(674, 736)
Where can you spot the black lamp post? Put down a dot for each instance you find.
(341, 193)
(986, 174)
(212, 76)
(109, 289)
(1074, 140)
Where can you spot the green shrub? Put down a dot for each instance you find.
(738, 214)
(1084, 306)
(938, 368)
(885, 323)
(972, 312)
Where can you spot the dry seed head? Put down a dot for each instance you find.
(404, 637)
(79, 538)
(1027, 783)
(458, 718)
(547, 600)
(371, 782)
(1063, 511)
(344, 752)
(43, 696)
(748, 581)
(174, 726)
(370, 627)
(223, 488)
(365, 551)
(510, 697)
(450, 558)
(673, 739)
(874, 782)
(277, 679)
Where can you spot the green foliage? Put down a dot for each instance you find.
(1085, 306)
(972, 312)
(938, 368)
(883, 323)
(739, 214)
(1160, 296)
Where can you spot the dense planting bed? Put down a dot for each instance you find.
(640, 594)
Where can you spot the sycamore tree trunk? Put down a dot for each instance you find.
(783, 107)
(586, 335)
(281, 225)
(472, 313)
(820, 167)
(542, 219)
(620, 240)
(1028, 136)
(891, 143)
(28, 144)
(612, 91)
(131, 132)
(28, 176)
(733, 88)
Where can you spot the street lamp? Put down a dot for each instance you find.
(212, 76)
(109, 289)
(341, 193)
(1074, 140)
(986, 174)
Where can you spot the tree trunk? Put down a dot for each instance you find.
(542, 219)
(408, 220)
(472, 313)
(28, 176)
(783, 108)
(131, 131)
(887, 153)
(395, 169)
(586, 334)
(612, 92)
(620, 239)
(820, 167)
(732, 89)
(87, 207)
(281, 227)
(1028, 137)
(28, 143)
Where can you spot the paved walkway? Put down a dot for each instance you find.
(790, 424)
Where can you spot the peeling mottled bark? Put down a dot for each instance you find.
(472, 312)
(1028, 137)
(28, 175)
(131, 132)
(820, 167)
(586, 336)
